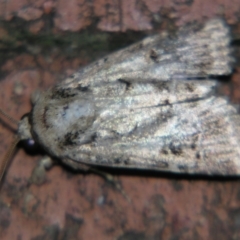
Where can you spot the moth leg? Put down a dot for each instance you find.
(38, 175)
(108, 177)
(75, 165)
(47, 162)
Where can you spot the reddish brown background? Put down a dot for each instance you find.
(41, 42)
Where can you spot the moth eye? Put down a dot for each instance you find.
(30, 142)
(30, 146)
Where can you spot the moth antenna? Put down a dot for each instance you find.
(8, 117)
(7, 157)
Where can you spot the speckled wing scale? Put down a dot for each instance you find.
(149, 106)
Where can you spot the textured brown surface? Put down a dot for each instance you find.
(112, 15)
(63, 205)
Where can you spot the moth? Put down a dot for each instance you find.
(152, 106)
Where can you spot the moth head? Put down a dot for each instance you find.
(24, 128)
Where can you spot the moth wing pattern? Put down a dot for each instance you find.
(192, 52)
(144, 107)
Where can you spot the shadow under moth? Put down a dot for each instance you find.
(149, 106)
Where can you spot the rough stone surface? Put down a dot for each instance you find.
(60, 204)
(29, 13)
(112, 15)
(72, 15)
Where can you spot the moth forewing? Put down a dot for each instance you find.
(193, 52)
(144, 107)
(182, 128)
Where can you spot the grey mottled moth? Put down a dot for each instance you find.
(149, 106)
